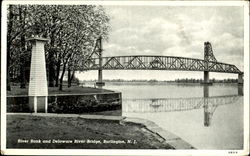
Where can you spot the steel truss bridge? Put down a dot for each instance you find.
(95, 61)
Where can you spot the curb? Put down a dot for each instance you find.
(169, 138)
(102, 117)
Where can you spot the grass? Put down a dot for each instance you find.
(16, 90)
(70, 128)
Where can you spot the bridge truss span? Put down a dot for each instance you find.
(144, 62)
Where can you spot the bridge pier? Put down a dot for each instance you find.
(100, 83)
(240, 84)
(240, 90)
(240, 78)
(206, 78)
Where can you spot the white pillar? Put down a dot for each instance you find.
(38, 89)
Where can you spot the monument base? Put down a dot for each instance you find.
(38, 104)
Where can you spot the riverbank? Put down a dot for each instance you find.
(50, 132)
(16, 90)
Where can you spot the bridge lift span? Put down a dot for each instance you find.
(95, 61)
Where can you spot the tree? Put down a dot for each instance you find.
(81, 35)
(16, 43)
(22, 16)
(72, 30)
(9, 40)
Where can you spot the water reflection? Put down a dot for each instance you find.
(208, 111)
(208, 103)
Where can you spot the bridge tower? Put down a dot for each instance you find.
(98, 52)
(208, 57)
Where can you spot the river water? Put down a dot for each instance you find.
(212, 120)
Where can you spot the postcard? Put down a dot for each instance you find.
(125, 78)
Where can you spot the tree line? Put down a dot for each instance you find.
(186, 80)
(183, 80)
(71, 29)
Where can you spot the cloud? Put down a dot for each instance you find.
(117, 50)
(176, 31)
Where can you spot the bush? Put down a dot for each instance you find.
(18, 104)
(81, 104)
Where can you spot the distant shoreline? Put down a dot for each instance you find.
(154, 83)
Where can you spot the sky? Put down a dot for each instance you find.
(173, 31)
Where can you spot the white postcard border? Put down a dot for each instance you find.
(126, 152)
